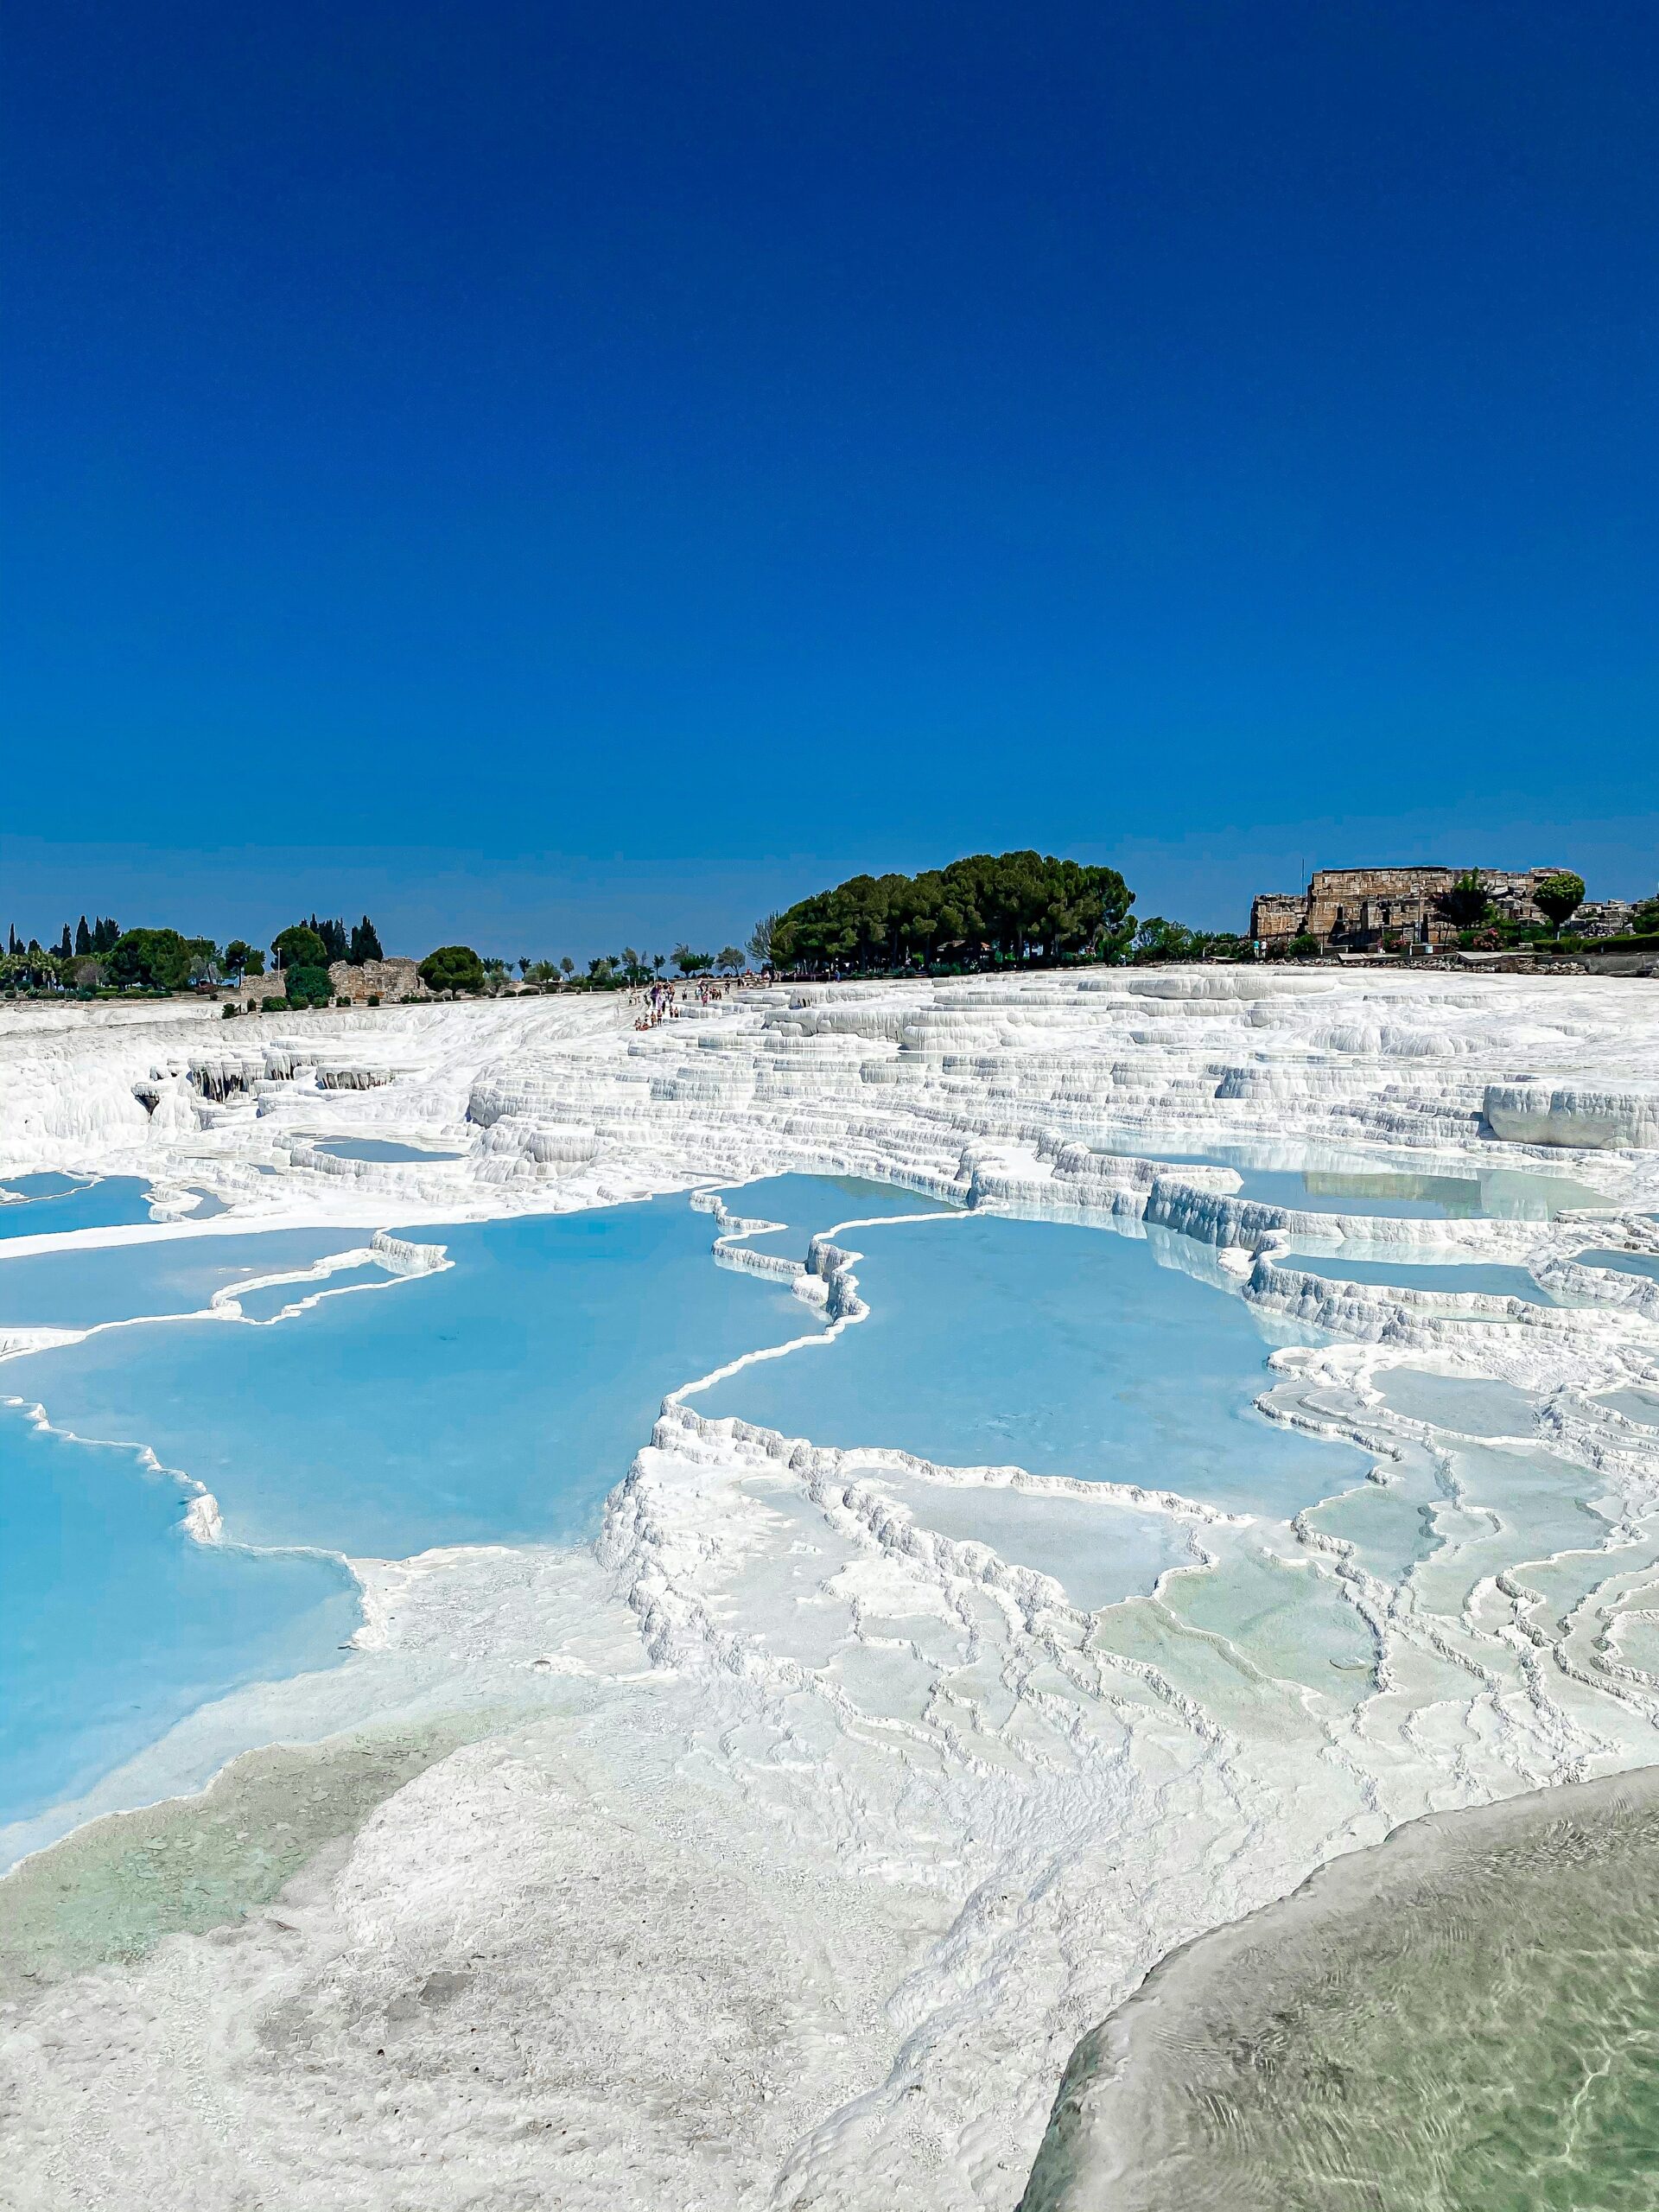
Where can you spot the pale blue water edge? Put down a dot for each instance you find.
(801, 1204)
(1624, 1263)
(499, 1400)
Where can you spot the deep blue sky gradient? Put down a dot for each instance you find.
(557, 475)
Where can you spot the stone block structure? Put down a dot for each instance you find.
(386, 980)
(253, 990)
(1604, 918)
(1371, 909)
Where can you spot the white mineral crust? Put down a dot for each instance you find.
(805, 1841)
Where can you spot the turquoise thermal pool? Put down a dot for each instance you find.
(996, 1342)
(1461, 1277)
(385, 1149)
(114, 1624)
(57, 1206)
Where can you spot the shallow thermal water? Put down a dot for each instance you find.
(55, 1205)
(113, 1624)
(994, 1341)
(385, 1148)
(1333, 1182)
(801, 1204)
(1625, 1264)
(1405, 1274)
(1635, 1405)
(494, 1402)
(1098, 1550)
(960, 1752)
(74, 1289)
(1460, 2020)
(1464, 1405)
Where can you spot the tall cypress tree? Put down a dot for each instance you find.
(65, 947)
(83, 938)
(366, 944)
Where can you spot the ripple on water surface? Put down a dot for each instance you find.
(1459, 2020)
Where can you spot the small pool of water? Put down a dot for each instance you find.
(1065, 1350)
(1097, 1550)
(1635, 1405)
(1335, 1183)
(270, 1304)
(1466, 1404)
(53, 1205)
(385, 1148)
(1459, 1276)
(1624, 1263)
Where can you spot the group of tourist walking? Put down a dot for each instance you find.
(661, 1002)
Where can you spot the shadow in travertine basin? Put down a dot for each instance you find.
(1464, 2019)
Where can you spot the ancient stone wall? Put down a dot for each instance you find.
(254, 990)
(1359, 909)
(386, 980)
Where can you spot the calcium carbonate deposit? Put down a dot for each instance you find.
(777, 1848)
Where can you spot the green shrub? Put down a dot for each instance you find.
(159, 959)
(1559, 895)
(308, 987)
(299, 946)
(229, 1012)
(374, 998)
(452, 968)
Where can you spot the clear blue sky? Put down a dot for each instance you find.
(555, 476)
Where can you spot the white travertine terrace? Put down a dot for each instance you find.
(806, 1840)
